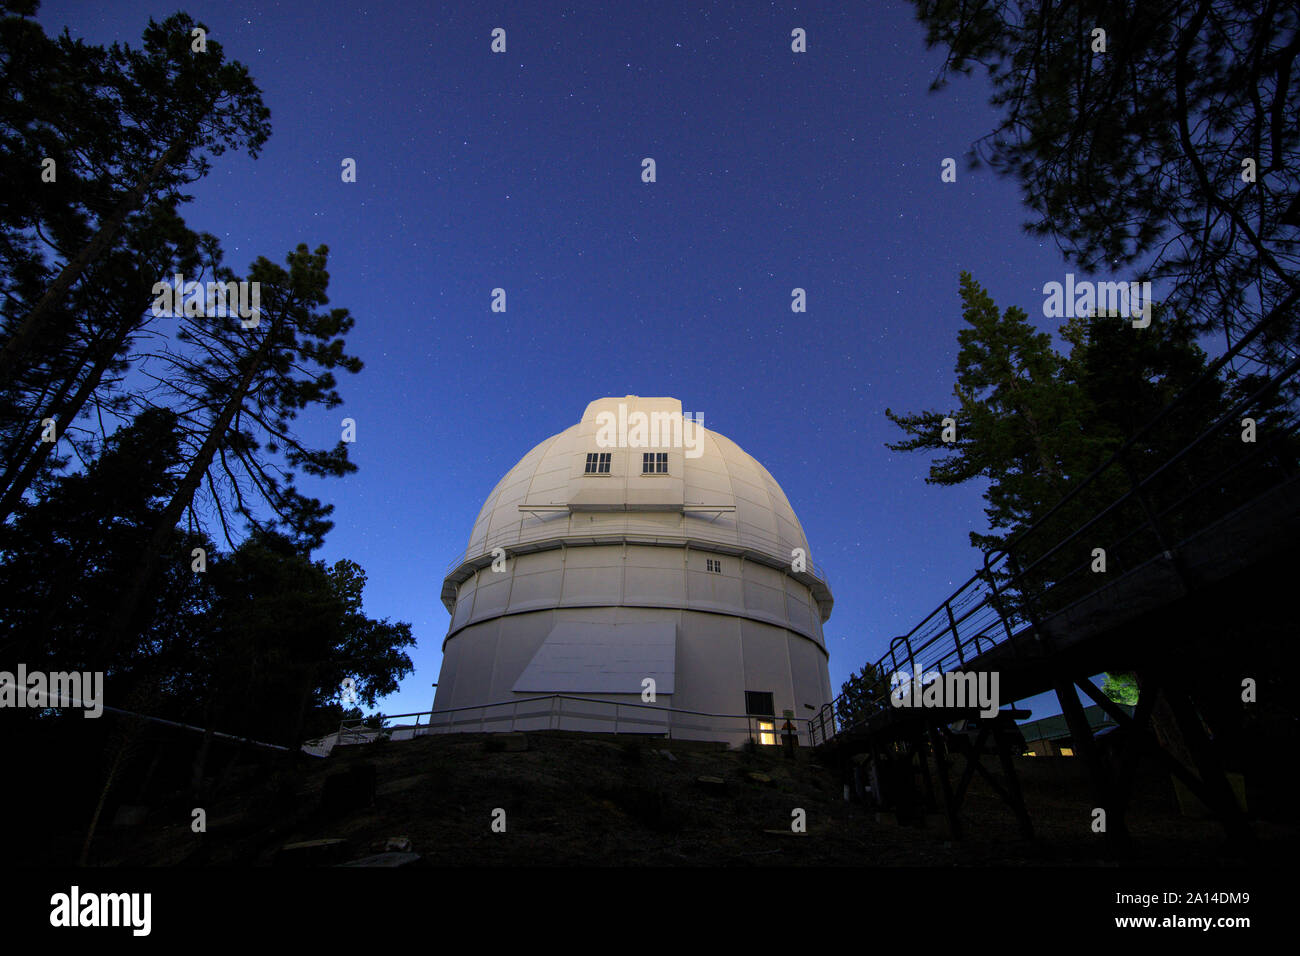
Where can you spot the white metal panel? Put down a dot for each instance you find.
(807, 667)
(581, 658)
(710, 664)
(655, 576)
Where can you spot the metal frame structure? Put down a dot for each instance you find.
(1009, 615)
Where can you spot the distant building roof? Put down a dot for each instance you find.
(1055, 728)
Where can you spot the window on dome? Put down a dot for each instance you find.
(654, 463)
(714, 565)
(597, 463)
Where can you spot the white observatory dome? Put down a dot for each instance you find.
(635, 545)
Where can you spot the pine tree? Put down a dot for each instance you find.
(64, 557)
(1037, 425)
(239, 393)
(130, 126)
(1164, 144)
(861, 695)
(76, 373)
(1016, 421)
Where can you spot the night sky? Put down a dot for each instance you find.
(522, 171)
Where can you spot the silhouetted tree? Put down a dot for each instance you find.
(126, 127)
(864, 693)
(1168, 142)
(238, 393)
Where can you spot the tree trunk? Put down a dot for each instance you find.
(21, 341)
(201, 758)
(122, 619)
(295, 744)
(126, 742)
(16, 485)
(21, 450)
(1044, 460)
(229, 769)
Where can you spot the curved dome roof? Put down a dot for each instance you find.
(713, 494)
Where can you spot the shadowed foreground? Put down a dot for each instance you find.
(572, 799)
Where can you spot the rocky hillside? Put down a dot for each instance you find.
(555, 798)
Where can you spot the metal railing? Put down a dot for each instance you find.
(576, 713)
(1046, 569)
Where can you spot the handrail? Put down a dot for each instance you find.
(1137, 487)
(1210, 374)
(982, 591)
(353, 726)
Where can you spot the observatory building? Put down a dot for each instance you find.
(635, 573)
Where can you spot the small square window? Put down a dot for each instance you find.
(713, 564)
(654, 463)
(597, 463)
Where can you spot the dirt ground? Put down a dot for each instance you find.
(579, 800)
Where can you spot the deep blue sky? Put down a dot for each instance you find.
(522, 171)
